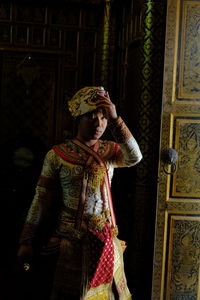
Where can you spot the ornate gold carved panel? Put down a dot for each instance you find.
(189, 84)
(177, 241)
(183, 254)
(186, 179)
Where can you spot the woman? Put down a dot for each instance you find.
(85, 253)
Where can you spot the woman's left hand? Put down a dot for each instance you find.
(105, 102)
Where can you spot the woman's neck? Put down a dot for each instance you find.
(88, 143)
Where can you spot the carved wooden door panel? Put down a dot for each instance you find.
(176, 273)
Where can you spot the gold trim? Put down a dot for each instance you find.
(185, 212)
(175, 51)
(184, 200)
(168, 262)
(164, 256)
(198, 290)
(168, 179)
(182, 53)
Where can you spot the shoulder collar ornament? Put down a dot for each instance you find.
(74, 154)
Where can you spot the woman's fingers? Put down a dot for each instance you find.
(103, 95)
(109, 107)
(103, 100)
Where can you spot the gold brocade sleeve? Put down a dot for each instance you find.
(43, 202)
(128, 152)
(120, 131)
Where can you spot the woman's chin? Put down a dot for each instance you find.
(97, 136)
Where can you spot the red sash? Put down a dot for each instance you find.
(94, 155)
(101, 257)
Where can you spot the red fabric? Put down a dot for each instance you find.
(64, 156)
(103, 265)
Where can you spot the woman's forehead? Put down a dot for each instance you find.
(96, 111)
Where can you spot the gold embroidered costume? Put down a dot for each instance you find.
(74, 186)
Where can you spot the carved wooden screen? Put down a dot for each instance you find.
(27, 98)
(69, 32)
(177, 242)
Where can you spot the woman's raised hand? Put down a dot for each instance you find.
(105, 102)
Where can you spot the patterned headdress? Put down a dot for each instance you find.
(84, 100)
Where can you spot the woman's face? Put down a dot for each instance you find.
(92, 125)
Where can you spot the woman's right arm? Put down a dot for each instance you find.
(42, 202)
